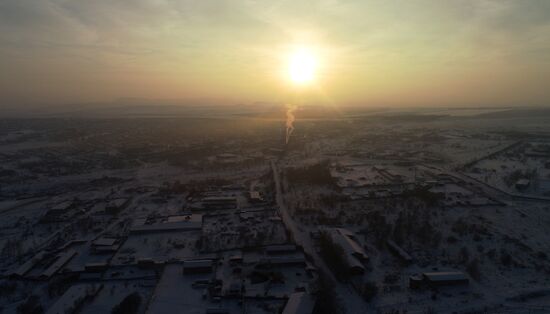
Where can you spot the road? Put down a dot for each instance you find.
(350, 300)
(485, 188)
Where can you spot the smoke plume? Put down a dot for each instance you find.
(289, 121)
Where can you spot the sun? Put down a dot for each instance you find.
(302, 66)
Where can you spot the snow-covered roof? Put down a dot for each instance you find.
(342, 237)
(522, 182)
(28, 265)
(104, 241)
(62, 259)
(445, 276)
(199, 263)
(183, 222)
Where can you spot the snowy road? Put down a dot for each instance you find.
(351, 301)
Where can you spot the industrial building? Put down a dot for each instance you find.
(355, 254)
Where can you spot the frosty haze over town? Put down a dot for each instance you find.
(352, 211)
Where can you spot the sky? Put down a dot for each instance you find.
(369, 53)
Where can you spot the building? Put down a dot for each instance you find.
(219, 202)
(227, 158)
(217, 311)
(438, 279)
(255, 197)
(280, 249)
(522, 184)
(146, 262)
(59, 212)
(166, 224)
(236, 258)
(399, 252)
(355, 254)
(73, 298)
(234, 289)
(61, 260)
(96, 267)
(116, 205)
(244, 216)
(290, 260)
(105, 245)
(347, 240)
(299, 303)
(198, 266)
(27, 266)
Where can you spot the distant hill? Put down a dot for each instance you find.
(517, 113)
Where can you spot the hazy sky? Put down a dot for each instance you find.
(409, 52)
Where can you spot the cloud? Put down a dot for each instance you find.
(208, 41)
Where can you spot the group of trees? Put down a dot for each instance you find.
(129, 305)
(13, 248)
(515, 175)
(379, 227)
(316, 174)
(425, 195)
(416, 224)
(31, 305)
(334, 256)
(369, 290)
(326, 301)
(409, 224)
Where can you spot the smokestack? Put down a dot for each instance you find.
(289, 121)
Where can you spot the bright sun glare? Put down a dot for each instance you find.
(302, 66)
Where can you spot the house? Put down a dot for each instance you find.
(255, 197)
(236, 258)
(522, 184)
